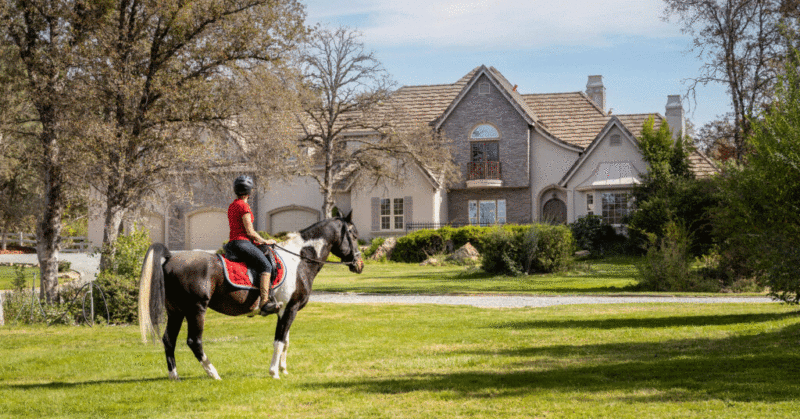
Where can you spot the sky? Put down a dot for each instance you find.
(543, 46)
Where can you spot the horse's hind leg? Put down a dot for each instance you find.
(195, 340)
(174, 322)
(281, 343)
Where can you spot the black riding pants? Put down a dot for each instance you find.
(248, 253)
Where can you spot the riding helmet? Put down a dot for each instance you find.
(243, 185)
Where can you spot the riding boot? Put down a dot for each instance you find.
(268, 303)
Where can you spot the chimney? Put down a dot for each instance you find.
(674, 113)
(596, 91)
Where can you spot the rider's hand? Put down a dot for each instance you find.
(270, 242)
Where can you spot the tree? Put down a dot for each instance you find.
(716, 139)
(164, 83)
(740, 42)
(758, 221)
(669, 194)
(351, 127)
(18, 177)
(45, 36)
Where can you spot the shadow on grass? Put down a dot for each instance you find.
(639, 323)
(55, 385)
(757, 368)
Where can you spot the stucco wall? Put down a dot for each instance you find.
(416, 185)
(626, 152)
(550, 162)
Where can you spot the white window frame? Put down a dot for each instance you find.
(474, 212)
(614, 212)
(392, 214)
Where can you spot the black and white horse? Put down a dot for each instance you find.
(187, 283)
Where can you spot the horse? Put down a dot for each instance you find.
(186, 284)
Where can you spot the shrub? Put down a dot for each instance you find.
(121, 297)
(376, 243)
(120, 284)
(592, 234)
(517, 250)
(417, 246)
(667, 264)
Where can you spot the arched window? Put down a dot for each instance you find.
(484, 132)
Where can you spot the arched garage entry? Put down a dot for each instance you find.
(291, 218)
(207, 228)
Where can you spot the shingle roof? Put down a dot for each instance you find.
(571, 117)
(701, 165)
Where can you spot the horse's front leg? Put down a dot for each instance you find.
(195, 340)
(281, 343)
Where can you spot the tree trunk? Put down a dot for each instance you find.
(48, 232)
(111, 231)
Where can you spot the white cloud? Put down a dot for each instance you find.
(496, 24)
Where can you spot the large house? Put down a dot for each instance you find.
(523, 157)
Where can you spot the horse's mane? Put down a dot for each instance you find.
(314, 229)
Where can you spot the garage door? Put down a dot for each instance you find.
(291, 220)
(208, 230)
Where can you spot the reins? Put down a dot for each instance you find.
(356, 255)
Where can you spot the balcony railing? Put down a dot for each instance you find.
(480, 170)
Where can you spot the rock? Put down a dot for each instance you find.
(385, 250)
(430, 261)
(582, 253)
(464, 253)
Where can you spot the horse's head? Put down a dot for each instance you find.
(347, 249)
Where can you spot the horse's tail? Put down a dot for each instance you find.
(151, 291)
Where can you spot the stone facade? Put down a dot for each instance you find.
(518, 203)
(491, 108)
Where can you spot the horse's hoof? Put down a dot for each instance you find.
(173, 375)
(275, 375)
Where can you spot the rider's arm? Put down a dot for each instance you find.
(252, 233)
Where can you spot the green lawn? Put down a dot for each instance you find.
(395, 361)
(8, 273)
(606, 276)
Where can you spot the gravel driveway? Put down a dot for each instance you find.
(510, 301)
(87, 265)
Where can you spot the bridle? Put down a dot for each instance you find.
(354, 262)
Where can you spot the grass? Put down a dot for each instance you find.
(604, 361)
(8, 273)
(606, 276)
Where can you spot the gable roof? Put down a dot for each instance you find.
(571, 118)
(500, 82)
(613, 121)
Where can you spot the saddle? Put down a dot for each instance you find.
(239, 275)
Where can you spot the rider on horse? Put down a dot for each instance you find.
(243, 239)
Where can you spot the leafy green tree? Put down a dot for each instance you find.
(758, 221)
(669, 192)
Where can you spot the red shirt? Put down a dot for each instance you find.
(236, 211)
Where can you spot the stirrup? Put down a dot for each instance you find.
(271, 307)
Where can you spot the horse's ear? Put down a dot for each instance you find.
(349, 217)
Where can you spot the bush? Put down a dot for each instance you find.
(592, 234)
(120, 284)
(667, 264)
(121, 297)
(417, 246)
(376, 243)
(517, 250)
